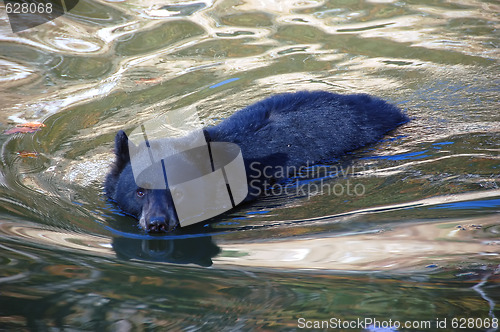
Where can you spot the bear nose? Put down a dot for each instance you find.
(156, 225)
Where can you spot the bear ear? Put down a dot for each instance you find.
(121, 150)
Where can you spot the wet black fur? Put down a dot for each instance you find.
(283, 131)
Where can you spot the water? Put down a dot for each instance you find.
(418, 242)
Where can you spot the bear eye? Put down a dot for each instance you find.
(140, 193)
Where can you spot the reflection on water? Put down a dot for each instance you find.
(197, 250)
(395, 248)
(420, 243)
(58, 289)
(389, 247)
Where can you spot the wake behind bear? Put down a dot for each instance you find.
(282, 132)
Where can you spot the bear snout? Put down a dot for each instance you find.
(159, 225)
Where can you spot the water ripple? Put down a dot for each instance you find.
(11, 72)
(75, 45)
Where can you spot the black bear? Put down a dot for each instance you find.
(282, 132)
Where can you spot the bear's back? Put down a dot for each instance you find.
(307, 127)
